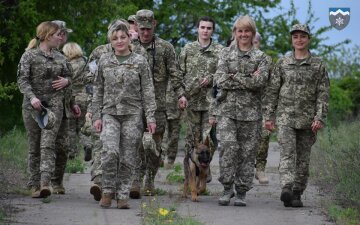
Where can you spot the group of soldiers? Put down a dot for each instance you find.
(229, 94)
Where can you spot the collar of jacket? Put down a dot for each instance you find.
(52, 52)
(294, 61)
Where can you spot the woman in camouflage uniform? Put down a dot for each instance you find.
(123, 91)
(42, 74)
(241, 75)
(298, 93)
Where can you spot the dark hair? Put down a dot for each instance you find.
(207, 19)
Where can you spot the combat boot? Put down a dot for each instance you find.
(225, 198)
(149, 188)
(58, 189)
(240, 199)
(286, 196)
(45, 190)
(95, 190)
(87, 153)
(106, 198)
(123, 204)
(35, 192)
(296, 200)
(261, 177)
(135, 190)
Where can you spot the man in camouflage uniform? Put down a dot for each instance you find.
(198, 61)
(241, 75)
(171, 135)
(163, 65)
(65, 142)
(91, 70)
(298, 93)
(123, 91)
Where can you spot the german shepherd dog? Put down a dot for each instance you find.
(196, 166)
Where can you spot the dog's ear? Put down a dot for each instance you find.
(207, 141)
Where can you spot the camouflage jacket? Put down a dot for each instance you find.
(35, 74)
(163, 64)
(123, 88)
(78, 86)
(197, 63)
(94, 58)
(241, 89)
(298, 92)
(172, 108)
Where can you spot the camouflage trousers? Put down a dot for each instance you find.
(95, 170)
(295, 149)
(262, 152)
(171, 139)
(41, 153)
(198, 128)
(149, 162)
(121, 138)
(238, 142)
(75, 125)
(62, 145)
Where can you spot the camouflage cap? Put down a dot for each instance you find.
(45, 119)
(131, 18)
(62, 25)
(300, 27)
(144, 18)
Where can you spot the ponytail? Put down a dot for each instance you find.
(32, 44)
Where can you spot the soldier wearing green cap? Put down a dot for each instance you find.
(163, 65)
(297, 99)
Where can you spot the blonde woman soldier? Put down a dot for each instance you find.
(123, 91)
(241, 75)
(43, 73)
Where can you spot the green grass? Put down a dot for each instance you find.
(335, 167)
(75, 165)
(347, 216)
(177, 175)
(13, 149)
(154, 213)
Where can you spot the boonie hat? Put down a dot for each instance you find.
(144, 18)
(300, 27)
(131, 18)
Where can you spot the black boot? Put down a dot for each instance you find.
(286, 196)
(296, 201)
(87, 153)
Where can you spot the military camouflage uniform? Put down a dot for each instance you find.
(238, 114)
(36, 71)
(123, 92)
(163, 64)
(299, 94)
(89, 79)
(171, 135)
(81, 98)
(197, 63)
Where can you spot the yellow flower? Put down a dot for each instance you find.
(144, 205)
(163, 212)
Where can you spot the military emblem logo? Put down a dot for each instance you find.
(339, 17)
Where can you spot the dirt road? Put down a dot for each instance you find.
(263, 204)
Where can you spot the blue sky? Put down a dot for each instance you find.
(321, 11)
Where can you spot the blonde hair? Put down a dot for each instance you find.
(246, 22)
(72, 50)
(43, 31)
(120, 26)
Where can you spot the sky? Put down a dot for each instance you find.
(321, 11)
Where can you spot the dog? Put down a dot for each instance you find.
(196, 167)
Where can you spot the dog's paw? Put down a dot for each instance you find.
(194, 198)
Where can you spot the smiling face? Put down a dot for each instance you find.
(244, 36)
(120, 41)
(205, 30)
(300, 40)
